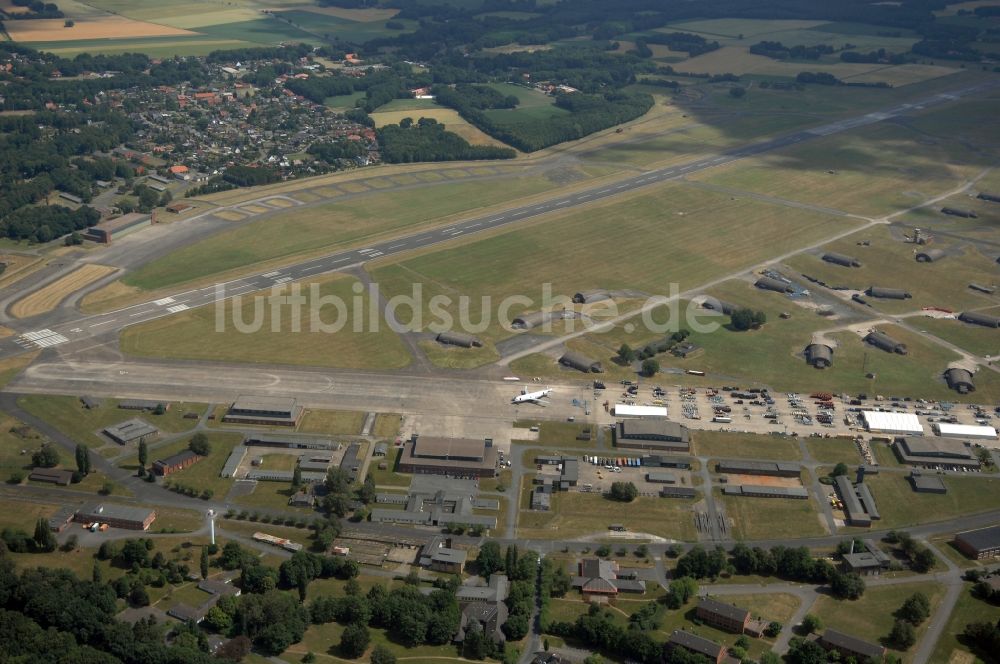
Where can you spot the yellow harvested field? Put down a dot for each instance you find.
(230, 215)
(452, 121)
(5, 332)
(253, 209)
(201, 19)
(47, 298)
(113, 291)
(353, 187)
(279, 202)
(9, 7)
(369, 15)
(108, 27)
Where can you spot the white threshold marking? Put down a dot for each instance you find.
(271, 274)
(283, 280)
(177, 307)
(164, 301)
(101, 323)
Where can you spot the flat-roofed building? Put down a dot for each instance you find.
(766, 491)
(450, 561)
(116, 516)
(727, 617)
(696, 644)
(766, 468)
(131, 431)
(857, 513)
(653, 434)
(143, 404)
(672, 491)
(175, 462)
(61, 518)
(870, 562)
(931, 452)
(850, 646)
(456, 457)
(979, 544)
(277, 411)
(661, 477)
(60, 476)
(927, 483)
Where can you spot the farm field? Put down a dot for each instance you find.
(576, 514)
(770, 518)
(871, 617)
(48, 297)
(648, 226)
(193, 334)
(153, 47)
(888, 261)
(105, 27)
(325, 226)
(724, 445)
(744, 32)
(339, 26)
(877, 169)
(967, 610)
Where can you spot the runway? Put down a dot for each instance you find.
(55, 330)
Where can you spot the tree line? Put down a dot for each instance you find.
(428, 140)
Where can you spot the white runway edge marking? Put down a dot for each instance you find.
(163, 302)
(44, 338)
(177, 307)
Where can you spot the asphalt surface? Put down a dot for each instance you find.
(61, 326)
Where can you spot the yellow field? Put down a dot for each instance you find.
(446, 116)
(368, 15)
(115, 290)
(107, 27)
(255, 209)
(9, 7)
(279, 202)
(47, 298)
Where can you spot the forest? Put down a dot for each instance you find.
(428, 140)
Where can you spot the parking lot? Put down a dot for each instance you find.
(598, 477)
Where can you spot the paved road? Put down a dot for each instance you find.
(63, 326)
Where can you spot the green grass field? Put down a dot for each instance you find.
(533, 105)
(967, 610)
(336, 27)
(205, 473)
(648, 228)
(871, 617)
(877, 169)
(768, 518)
(331, 422)
(724, 445)
(194, 335)
(900, 506)
(454, 357)
(833, 450)
(69, 416)
(327, 226)
(559, 434)
(576, 514)
(976, 339)
(344, 101)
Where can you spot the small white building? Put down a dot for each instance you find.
(968, 431)
(902, 424)
(626, 410)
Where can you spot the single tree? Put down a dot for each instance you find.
(650, 367)
(203, 562)
(199, 444)
(811, 623)
(903, 636)
(489, 559)
(82, 459)
(916, 609)
(624, 492)
(625, 354)
(382, 655)
(354, 641)
(44, 539)
(143, 454)
(840, 469)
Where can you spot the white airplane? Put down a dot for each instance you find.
(531, 397)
